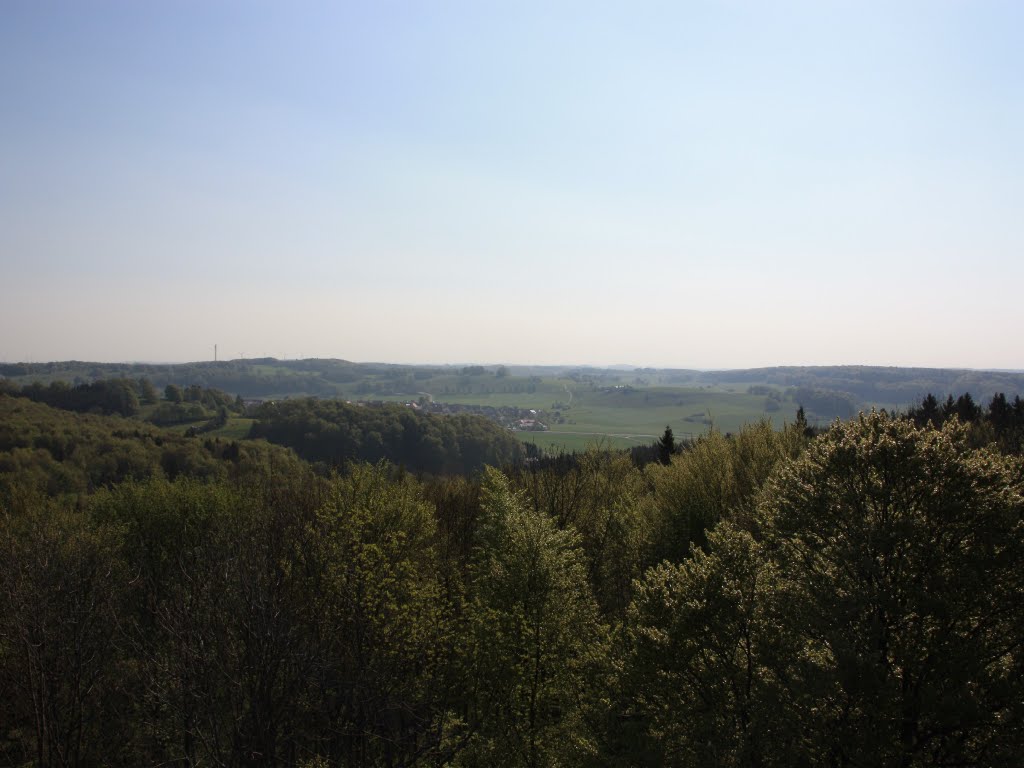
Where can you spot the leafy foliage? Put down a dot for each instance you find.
(716, 477)
(536, 641)
(901, 549)
(876, 622)
(696, 687)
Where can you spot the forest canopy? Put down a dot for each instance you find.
(840, 597)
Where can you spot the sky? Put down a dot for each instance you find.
(678, 184)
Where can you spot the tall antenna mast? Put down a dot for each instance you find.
(215, 353)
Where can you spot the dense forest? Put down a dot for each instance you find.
(846, 596)
(336, 432)
(59, 453)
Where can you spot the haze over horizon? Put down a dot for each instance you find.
(515, 364)
(696, 185)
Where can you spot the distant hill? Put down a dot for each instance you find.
(881, 385)
(826, 392)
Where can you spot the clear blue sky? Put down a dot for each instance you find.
(690, 184)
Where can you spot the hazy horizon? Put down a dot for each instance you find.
(628, 367)
(700, 185)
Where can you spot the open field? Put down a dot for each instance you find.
(557, 442)
(625, 417)
(237, 428)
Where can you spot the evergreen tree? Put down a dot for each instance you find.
(801, 423)
(666, 446)
(929, 412)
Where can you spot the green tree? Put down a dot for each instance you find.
(696, 690)
(902, 549)
(876, 622)
(147, 392)
(666, 446)
(173, 394)
(381, 628)
(61, 584)
(801, 422)
(717, 477)
(218, 623)
(535, 646)
(605, 499)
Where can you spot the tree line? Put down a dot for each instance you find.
(125, 397)
(1000, 422)
(333, 433)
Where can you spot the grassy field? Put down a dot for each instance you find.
(555, 442)
(632, 417)
(616, 411)
(237, 428)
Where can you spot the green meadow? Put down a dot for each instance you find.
(627, 416)
(237, 428)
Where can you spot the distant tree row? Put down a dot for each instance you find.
(826, 404)
(256, 377)
(124, 397)
(111, 396)
(872, 384)
(336, 433)
(1000, 422)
